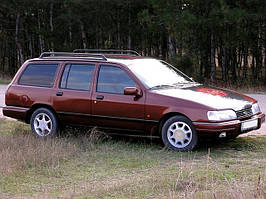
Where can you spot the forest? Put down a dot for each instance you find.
(215, 41)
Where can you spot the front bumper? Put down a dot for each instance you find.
(230, 126)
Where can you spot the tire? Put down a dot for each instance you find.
(44, 123)
(178, 134)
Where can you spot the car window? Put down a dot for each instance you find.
(77, 76)
(113, 79)
(39, 75)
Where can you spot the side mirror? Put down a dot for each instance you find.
(132, 91)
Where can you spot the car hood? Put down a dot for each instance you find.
(213, 97)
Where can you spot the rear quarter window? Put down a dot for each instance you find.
(42, 75)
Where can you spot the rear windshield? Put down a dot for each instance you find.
(39, 75)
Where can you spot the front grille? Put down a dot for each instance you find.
(246, 112)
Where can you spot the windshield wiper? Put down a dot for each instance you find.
(186, 84)
(181, 83)
(161, 86)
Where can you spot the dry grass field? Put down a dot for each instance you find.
(87, 164)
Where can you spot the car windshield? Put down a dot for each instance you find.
(156, 73)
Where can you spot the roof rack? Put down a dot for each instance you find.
(107, 51)
(72, 55)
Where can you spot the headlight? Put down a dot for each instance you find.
(221, 115)
(255, 108)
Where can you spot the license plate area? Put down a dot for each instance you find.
(249, 125)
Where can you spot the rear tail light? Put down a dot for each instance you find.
(6, 93)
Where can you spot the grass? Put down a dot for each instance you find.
(5, 79)
(90, 164)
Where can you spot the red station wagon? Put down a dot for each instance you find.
(122, 90)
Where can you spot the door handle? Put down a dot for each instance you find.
(59, 94)
(99, 97)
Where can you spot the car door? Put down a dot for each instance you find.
(72, 100)
(110, 107)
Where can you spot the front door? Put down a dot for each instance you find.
(110, 107)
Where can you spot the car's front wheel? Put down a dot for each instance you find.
(178, 133)
(44, 123)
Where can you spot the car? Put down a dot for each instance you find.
(119, 89)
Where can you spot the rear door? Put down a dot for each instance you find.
(72, 99)
(110, 107)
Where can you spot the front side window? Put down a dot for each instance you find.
(113, 79)
(77, 76)
(39, 75)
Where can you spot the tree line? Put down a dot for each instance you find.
(213, 40)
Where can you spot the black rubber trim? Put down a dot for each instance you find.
(15, 108)
(107, 117)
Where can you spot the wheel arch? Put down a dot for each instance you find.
(166, 117)
(37, 106)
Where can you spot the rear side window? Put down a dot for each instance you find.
(113, 79)
(77, 76)
(39, 75)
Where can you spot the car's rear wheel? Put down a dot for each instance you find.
(178, 133)
(44, 123)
